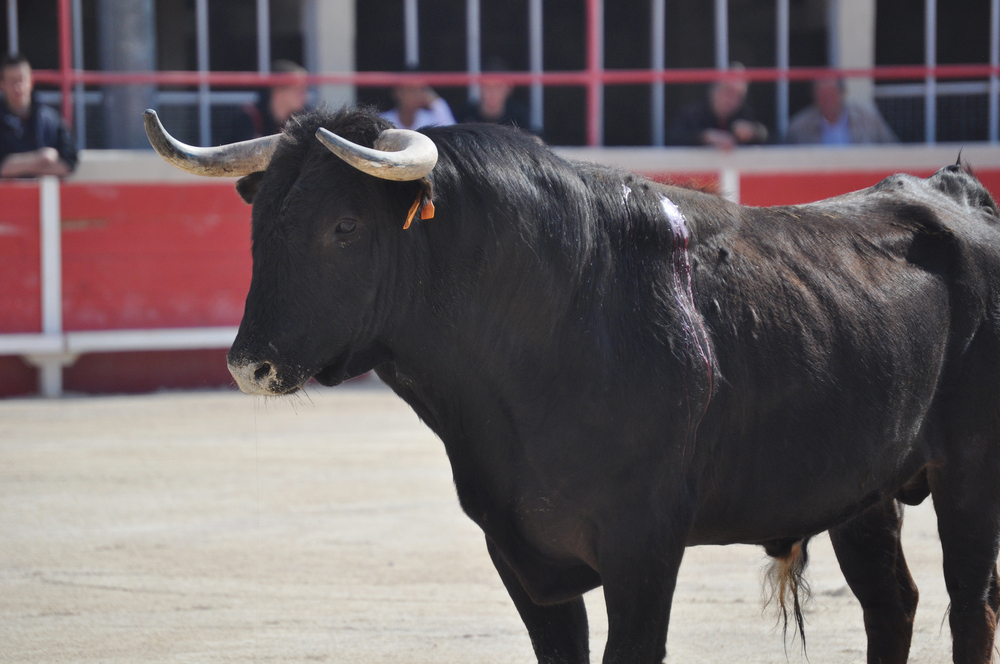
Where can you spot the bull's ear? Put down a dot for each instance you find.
(247, 185)
(427, 187)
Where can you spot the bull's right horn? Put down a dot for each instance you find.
(399, 154)
(233, 160)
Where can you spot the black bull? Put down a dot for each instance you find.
(620, 369)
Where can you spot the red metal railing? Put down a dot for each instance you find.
(580, 78)
(593, 78)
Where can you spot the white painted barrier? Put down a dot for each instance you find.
(53, 352)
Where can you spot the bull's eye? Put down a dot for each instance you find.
(342, 232)
(346, 227)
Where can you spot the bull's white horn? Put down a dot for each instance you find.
(399, 154)
(233, 160)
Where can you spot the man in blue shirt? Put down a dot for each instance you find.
(33, 138)
(834, 120)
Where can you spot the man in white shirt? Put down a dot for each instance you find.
(417, 105)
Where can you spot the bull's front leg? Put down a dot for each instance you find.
(639, 572)
(559, 632)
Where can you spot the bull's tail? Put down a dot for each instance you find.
(786, 583)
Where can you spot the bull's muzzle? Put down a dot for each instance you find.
(261, 378)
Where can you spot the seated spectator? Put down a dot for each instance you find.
(417, 105)
(273, 108)
(34, 140)
(495, 103)
(834, 120)
(722, 120)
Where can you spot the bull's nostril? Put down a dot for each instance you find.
(263, 371)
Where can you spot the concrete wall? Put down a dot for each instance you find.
(328, 32)
(852, 42)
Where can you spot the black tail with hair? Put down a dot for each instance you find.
(786, 582)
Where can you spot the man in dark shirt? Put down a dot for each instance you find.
(33, 139)
(722, 120)
(495, 103)
(274, 107)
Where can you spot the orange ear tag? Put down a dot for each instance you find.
(413, 211)
(426, 210)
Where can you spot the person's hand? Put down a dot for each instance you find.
(428, 97)
(718, 138)
(43, 161)
(746, 131)
(47, 157)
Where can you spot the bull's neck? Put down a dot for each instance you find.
(492, 316)
(485, 324)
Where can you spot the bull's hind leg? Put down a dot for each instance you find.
(968, 511)
(965, 485)
(871, 557)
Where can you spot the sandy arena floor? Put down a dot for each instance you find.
(216, 527)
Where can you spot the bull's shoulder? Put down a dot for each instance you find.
(954, 183)
(948, 208)
(952, 200)
(952, 217)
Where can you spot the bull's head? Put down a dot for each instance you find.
(311, 308)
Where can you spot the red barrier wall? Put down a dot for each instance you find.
(151, 256)
(20, 256)
(178, 255)
(134, 256)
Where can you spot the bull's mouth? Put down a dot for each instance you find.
(335, 372)
(351, 364)
(332, 374)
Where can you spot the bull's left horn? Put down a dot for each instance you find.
(233, 160)
(399, 154)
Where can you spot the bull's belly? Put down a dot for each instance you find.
(793, 502)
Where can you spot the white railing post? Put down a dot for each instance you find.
(12, 34)
(411, 33)
(729, 184)
(473, 46)
(994, 85)
(50, 367)
(722, 34)
(782, 60)
(204, 94)
(80, 114)
(657, 62)
(264, 36)
(930, 81)
(535, 38)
